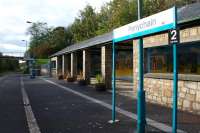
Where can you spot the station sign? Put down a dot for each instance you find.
(162, 21)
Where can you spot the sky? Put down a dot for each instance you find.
(15, 13)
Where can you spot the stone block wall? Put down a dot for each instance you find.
(54, 70)
(106, 65)
(86, 65)
(59, 65)
(73, 64)
(135, 66)
(160, 90)
(66, 64)
(186, 35)
(53, 73)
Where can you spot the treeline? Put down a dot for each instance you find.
(46, 40)
(8, 63)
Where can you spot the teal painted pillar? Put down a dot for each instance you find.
(141, 120)
(175, 81)
(113, 84)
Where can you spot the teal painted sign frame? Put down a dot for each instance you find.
(175, 72)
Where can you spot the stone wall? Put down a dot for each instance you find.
(53, 73)
(86, 65)
(186, 35)
(54, 70)
(59, 65)
(106, 65)
(159, 90)
(135, 66)
(73, 64)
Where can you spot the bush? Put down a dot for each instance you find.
(99, 78)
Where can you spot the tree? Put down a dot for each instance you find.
(85, 25)
(46, 41)
(8, 63)
(38, 29)
(155, 6)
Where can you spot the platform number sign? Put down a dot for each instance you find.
(174, 36)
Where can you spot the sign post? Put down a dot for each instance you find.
(163, 21)
(141, 122)
(114, 120)
(113, 84)
(174, 40)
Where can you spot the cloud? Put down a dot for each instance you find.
(12, 49)
(15, 13)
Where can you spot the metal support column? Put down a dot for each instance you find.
(141, 121)
(113, 84)
(175, 81)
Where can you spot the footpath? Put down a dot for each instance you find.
(160, 115)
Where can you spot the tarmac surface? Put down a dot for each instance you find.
(57, 110)
(12, 115)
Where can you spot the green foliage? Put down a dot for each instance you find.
(85, 25)
(46, 41)
(99, 78)
(155, 6)
(42, 61)
(8, 64)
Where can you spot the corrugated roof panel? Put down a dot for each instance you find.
(189, 12)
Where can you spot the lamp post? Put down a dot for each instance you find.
(29, 22)
(26, 44)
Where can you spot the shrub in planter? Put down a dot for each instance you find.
(81, 80)
(60, 76)
(100, 85)
(70, 79)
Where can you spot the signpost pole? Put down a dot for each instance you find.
(175, 81)
(113, 84)
(162, 21)
(141, 94)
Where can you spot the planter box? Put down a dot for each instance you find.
(100, 87)
(70, 79)
(82, 82)
(60, 77)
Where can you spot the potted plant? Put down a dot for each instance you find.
(60, 76)
(100, 85)
(70, 78)
(81, 80)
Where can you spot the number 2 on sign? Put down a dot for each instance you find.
(173, 35)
